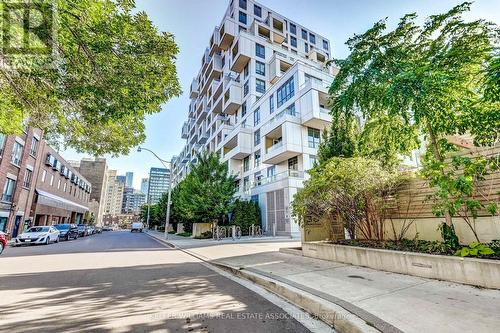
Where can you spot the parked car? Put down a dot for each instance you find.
(67, 231)
(38, 235)
(83, 230)
(98, 230)
(137, 226)
(3, 241)
(90, 230)
(107, 228)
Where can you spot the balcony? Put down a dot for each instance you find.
(185, 130)
(214, 42)
(193, 91)
(241, 54)
(287, 115)
(232, 98)
(317, 55)
(314, 112)
(282, 143)
(227, 31)
(212, 71)
(239, 145)
(278, 66)
(286, 175)
(203, 137)
(205, 59)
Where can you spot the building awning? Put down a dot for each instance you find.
(52, 200)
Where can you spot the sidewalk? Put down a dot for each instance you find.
(391, 302)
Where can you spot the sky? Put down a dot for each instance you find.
(192, 23)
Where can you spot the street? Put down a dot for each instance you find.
(126, 282)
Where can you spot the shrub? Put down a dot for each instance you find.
(245, 213)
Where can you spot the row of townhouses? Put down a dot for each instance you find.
(259, 101)
(39, 187)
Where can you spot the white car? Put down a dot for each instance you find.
(38, 235)
(137, 226)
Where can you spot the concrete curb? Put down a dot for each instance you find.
(325, 307)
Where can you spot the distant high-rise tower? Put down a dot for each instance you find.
(144, 185)
(129, 179)
(158, 183)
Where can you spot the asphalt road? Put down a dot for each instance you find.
(125, 282)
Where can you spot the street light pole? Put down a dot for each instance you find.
(169, 197)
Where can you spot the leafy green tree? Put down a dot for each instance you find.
(350, 191)
(245, 213)
(424, 79)
(110, 68)
(341, 140)
(205, 195)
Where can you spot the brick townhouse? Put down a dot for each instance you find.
(19, 162)
(62, 194)
(38, 186)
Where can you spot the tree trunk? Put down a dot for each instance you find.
(437, 155)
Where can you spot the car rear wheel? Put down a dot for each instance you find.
(47, 241)
(1, 248)
(57, 239)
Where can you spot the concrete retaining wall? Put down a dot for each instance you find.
(477, 272)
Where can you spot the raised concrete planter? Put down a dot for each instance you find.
(199, 228)
(477, 272)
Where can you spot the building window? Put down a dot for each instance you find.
(325, 45)
(260, 85)
(243, 18)
(312, 38)
(245, 89)
(293, 163)
(256, 117)
(313, 137)
(313, 160)
(304, 34)
(3, 138)
(44, 175)
(65, 186)
(257, 10)
(8, 190)
(17, 152)
(243, 109)
(51, 180)
(271, 171)
(260, 68)
(306, 48)
(246, 183)
(256, 137)
(34, 147)
(260, 51)
(293, 41)
(58, 184)
(246, 164)
(293, 29)
(243, 4)
(285, 92)
(245, 71)
(28, 175)
(257, 158)
(271, 104)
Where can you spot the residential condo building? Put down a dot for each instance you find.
(159, 179)
(114, 194)
(259, 101)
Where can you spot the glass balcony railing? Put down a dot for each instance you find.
(274, 147)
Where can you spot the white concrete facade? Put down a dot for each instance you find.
(259, 101)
